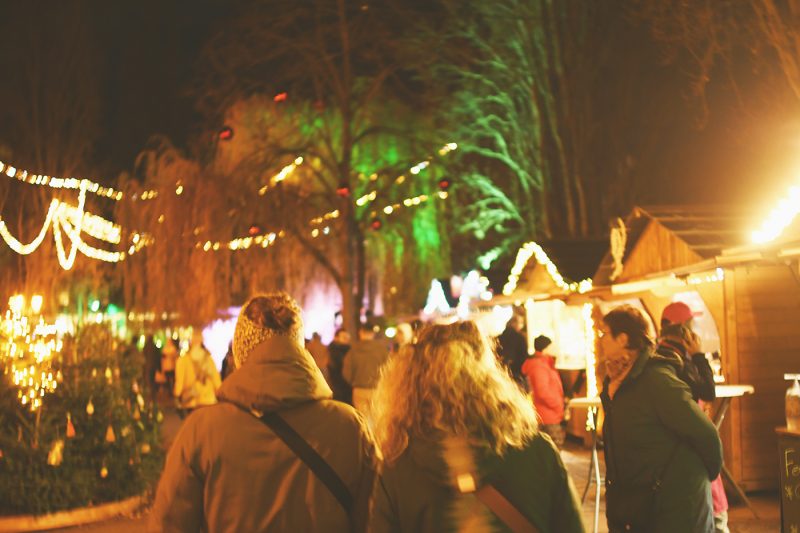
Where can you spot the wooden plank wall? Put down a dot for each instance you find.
(767, 336)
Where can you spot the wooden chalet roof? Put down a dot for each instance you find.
(575, 261)
(661, 238)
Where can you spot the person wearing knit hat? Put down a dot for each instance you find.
(228, 471)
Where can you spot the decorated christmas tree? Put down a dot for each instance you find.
(75, 428)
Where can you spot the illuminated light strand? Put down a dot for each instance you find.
(28, 350)
(59, 183)
(74, 233)
(780, 217)
(267, 239)
(282, 175)
(25, 249)
(532, 249)
(96, 226)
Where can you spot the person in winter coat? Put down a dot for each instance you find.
(227, 471)
(363, 364)
(451, 424)
(545, 385)
(679, 340)
(661, 450)
(337, 351)
(512, 347)
(196, 377)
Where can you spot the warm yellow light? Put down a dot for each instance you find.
(36, 303)
(780, 217)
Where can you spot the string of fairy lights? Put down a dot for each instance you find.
(72, 221)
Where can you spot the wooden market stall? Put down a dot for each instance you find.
(749, 297)
(545, 280)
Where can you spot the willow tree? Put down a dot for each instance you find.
(333, 69)
(50, 102)
(524, 78)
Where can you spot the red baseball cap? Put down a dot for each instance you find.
(677, 313)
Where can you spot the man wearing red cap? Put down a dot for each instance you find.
(679, 340)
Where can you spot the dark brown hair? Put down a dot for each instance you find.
(630, 321)
(276, 311)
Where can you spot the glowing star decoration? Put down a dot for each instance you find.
(473, 287)
(28, 346)
(436, 302)
(780, 217)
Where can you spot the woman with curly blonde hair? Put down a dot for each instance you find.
(448, 421)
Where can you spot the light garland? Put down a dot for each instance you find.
(280, 176)
(71, 219)
(524, 254)
(779, 218)
(59, 183)
(591, 359)
(27, 352)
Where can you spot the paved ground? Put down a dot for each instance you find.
(577, 460)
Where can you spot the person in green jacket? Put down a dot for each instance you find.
(661, 450)
(449, 421)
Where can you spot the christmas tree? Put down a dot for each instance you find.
(85, 434)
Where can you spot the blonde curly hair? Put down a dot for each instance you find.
(450, 383)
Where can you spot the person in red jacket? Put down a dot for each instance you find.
(546, 388)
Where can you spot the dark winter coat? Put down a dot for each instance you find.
(342, 390)
(228, 472)
(512, 347)
(418, 493)
(651, 412)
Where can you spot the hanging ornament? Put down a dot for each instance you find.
(125, 431)
(343, 190)
(90, 407)
(145, 448)
(70, 428)
(104, 472)
(94, 372)
(140, 400)
(116, 372)
(56, 454)
(135, 387)
(109, 375)
(137, 415)
(160, 416)
(375, 224)
(110, 437)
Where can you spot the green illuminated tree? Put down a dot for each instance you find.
(343, 106)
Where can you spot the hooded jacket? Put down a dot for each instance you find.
(546, 388)
(651, 413)
(419, 494)
(228, 472)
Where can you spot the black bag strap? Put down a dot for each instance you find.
(311, 458)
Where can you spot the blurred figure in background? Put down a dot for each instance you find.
(512, 347)
(546, 388)
(152, 365)
(337, 351)
(196, 377)
(363, 364)
(319, 352)
(169, 356)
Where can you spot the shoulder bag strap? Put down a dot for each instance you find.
(311, 458)
(505, 510)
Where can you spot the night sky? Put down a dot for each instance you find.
(147, 54)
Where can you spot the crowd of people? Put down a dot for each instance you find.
(443, 429)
